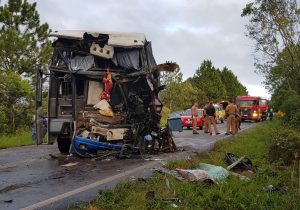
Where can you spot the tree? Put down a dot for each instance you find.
(24, 43)
(274, 26)
(208, 79)
(232, 85)
(279, 76)
(179, 96)
(167, 78)
(3, 120)
(15, 95)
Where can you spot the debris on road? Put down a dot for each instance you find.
(70, 164)
(57, 156)
(154, 159)
(57, 177)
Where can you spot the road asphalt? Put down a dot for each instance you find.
(38, 177)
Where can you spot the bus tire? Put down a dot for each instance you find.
(63, 144)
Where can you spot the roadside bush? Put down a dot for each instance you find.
(282, 145)
(288, 102)
(295, 120)
(23, 130)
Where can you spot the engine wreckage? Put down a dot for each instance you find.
(104, 94)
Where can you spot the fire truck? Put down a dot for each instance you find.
(252, 107)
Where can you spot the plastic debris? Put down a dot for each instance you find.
(216, 173)
(194, 174)
(203, 173)
(105, 108)
(168, 184)
(274, 188)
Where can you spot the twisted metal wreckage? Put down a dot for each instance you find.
(104, 94)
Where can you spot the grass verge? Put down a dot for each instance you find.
(232, 193)
(15, 141)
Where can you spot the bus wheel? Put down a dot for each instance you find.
(63, 144)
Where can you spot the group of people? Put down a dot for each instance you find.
(233, 118)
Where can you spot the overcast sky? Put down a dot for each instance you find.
(185, 31)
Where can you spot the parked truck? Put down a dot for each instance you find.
(103, 93)
(252, 108)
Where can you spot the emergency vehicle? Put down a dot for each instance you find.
(252, 107)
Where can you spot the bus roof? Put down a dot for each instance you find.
(117, 39)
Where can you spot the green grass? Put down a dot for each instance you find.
(232, 193)
(15, 141)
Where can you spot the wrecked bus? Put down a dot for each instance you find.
(103, 93)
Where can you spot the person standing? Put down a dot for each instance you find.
(211, 112)
(271, 114)
(195, 117)
(232, 110)
(206, 119)
(238, 120)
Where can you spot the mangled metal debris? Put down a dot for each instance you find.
(241, 166)
(104, 94)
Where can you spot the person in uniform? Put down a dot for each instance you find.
(206, 119)
(238, 120)
(195, 117)
(211, 112)
(232, 110)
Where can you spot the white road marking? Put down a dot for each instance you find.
(87, 187)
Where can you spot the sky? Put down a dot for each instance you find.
(184, 31)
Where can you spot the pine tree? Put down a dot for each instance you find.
(208, 79)
(24, 43)
(233, 86)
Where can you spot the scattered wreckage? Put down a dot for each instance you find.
(103, 94)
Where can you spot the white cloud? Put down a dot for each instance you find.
(257, 90)
(185, 31)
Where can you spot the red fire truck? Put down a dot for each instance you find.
(252, 107)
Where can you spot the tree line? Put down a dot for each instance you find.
(24, 49)
(207, 84)
(274, 25)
